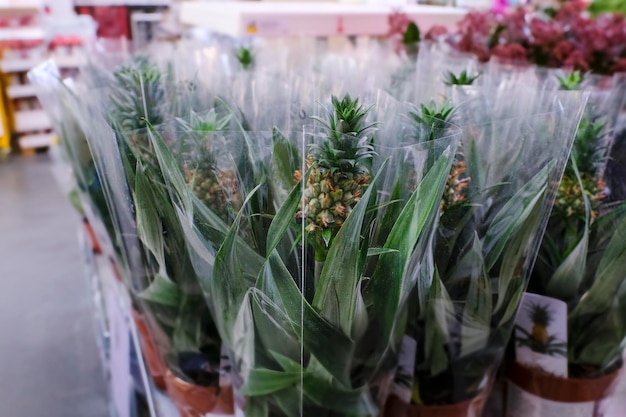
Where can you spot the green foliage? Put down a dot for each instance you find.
(411, 39)
(607, 6)
(462, 79)
(571, 81)
(245, 57)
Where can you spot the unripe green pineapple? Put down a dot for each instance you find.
(218, 189)
(569, 201)
(137, 96)
(339, 169)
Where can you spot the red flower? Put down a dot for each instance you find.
(619, 66)
(435, 32)
(561, 51)
(544, 33)
(513, 51)
(570, 10)
(577, 61)
(398, 23)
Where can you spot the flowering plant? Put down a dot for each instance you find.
(568, 37)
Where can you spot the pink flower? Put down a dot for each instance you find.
(560, 52)
(513, 52)
(435, 32)
(476, 22)
(544, 33)
(398, 23)
(577, 61)
(516, 26)
(619, 66)
(570, 10)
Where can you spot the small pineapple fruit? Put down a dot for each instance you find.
(569, 201)
(541, 318)
(339, 170)
(456, 184)
(218, 189)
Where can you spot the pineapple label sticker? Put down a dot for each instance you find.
(541, 334)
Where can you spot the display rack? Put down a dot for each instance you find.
(24, 47)
(129, 3)
(19, 8)
(239, 19)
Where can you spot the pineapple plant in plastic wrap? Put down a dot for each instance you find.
(308, 280)
(162, 278)
(495, 205)
(580, 269)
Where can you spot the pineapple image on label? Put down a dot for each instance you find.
(541, 334)
(539, 337)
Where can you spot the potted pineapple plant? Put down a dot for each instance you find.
(580, 267)
(308, 307)
(491, 220)
(162, 281)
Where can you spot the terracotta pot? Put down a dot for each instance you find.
(555, 388)
(196, 401)
(153, 361)
(91, 235)
(395, 407)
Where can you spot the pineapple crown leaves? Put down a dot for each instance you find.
(588, 152)
(411, 38)
(194, 148)
(198, 123)
(245, 57)
(433, 115)
(348, 145)
(132, 83)
(462, 79)
(572, 81)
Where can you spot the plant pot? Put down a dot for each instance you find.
(153, 361)
(543, 390)
(470, 408)
(91, 235)
(196, 401)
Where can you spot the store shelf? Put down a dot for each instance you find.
(31, 120)
(136, 3)
(10, 65)
(40, 140)
(25, 33)
(19, 64)
(21, 91)
(19, 8)
(308, 19)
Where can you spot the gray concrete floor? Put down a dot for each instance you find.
(49, 361)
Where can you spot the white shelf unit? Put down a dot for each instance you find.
(31, 121)
(38, 140)
(21, 91)
(27, 33)
(10, 65)
(239, 19)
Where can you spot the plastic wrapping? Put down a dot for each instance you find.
(495, 207)
(366, 261)
(573, 331)
(307, 308)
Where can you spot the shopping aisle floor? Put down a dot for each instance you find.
(49, 361)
